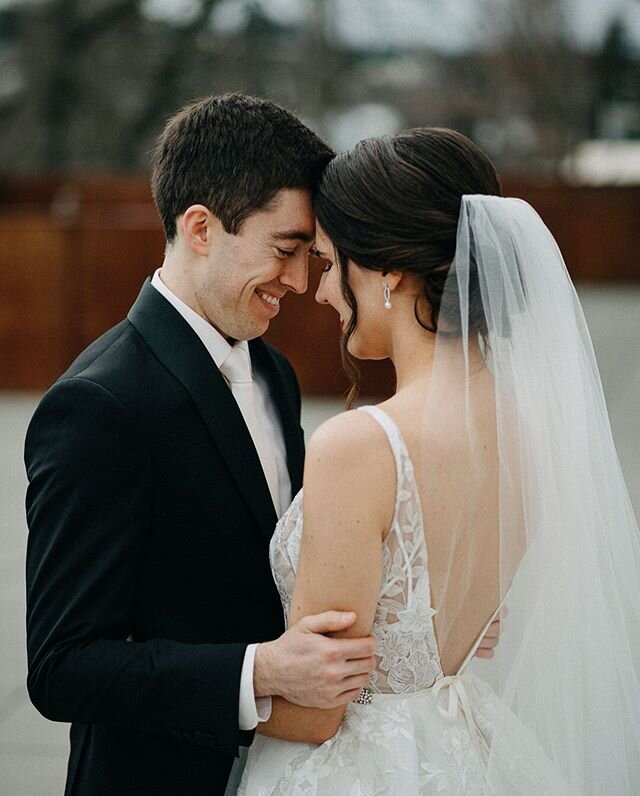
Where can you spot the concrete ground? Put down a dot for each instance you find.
(32, 750)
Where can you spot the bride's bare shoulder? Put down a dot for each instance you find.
(349, 458)
(351, 441)
(348, 433)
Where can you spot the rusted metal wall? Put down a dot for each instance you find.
(74, 253)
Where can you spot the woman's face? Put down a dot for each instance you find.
(369, 339)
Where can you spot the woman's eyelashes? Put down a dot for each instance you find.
(326, 264)
(284, 253)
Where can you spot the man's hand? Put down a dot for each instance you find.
(309, 669)
(490, 641)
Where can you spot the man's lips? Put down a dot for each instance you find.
(270, 298)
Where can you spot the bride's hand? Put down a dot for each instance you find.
(309, 669)
(490, 640)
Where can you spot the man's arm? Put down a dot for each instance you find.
(88, 511)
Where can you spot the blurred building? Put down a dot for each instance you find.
(85, 87)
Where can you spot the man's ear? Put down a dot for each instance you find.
(196, 225)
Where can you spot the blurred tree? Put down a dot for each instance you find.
(8, 26)
(612, 62)
(615, 108)
(72, 31)
(540, 78)
(87, 84)
(97, 78)
(165, 85)
(10, 83)
(52, 52)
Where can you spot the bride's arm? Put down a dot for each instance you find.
(349, 495)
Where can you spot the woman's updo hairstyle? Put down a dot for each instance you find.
(392, 204)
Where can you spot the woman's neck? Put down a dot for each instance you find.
(413, 353)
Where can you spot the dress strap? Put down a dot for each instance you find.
(396, 441)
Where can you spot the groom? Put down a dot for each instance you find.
(158, 465)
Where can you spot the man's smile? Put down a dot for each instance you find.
(272, 301)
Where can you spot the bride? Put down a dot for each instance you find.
(488, 479)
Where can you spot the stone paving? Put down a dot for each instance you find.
(32, 750)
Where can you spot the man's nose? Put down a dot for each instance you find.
(295, 274)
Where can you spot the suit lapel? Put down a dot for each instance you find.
(180, 350)
(264, 361)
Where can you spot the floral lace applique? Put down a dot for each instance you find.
(407, 651)
(405, 741)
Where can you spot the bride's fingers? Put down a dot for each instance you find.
(492, 635)
(489, 641)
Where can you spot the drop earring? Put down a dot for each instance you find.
(387, 296)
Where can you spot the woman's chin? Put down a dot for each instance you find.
(359, 351)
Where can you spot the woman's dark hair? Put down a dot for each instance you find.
(392, 204)
(232, 153)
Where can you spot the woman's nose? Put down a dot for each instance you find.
(321, 296)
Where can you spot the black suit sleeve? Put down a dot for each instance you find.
(88, 511)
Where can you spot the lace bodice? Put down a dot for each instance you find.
(423, 733)
(407, 653)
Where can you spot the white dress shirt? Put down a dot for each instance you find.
(251, 710)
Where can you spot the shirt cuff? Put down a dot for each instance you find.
(252, 709)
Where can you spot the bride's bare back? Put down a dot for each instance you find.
(457, 479)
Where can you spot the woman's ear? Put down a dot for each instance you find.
(196, 226)
(392, 278)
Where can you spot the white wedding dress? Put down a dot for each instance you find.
(424, 732)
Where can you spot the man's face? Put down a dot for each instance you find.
(240, 285)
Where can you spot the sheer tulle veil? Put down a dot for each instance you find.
(525, 486)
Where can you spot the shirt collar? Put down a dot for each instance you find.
(218, 348)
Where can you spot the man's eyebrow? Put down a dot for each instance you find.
(293, 234)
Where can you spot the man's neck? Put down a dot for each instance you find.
(173, 277)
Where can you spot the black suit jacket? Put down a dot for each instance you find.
(149, 515)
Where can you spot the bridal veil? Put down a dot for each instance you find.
(527, 499)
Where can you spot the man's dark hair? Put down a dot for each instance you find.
(232, 153)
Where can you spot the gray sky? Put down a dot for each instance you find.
(451, 24)
(444, 24)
